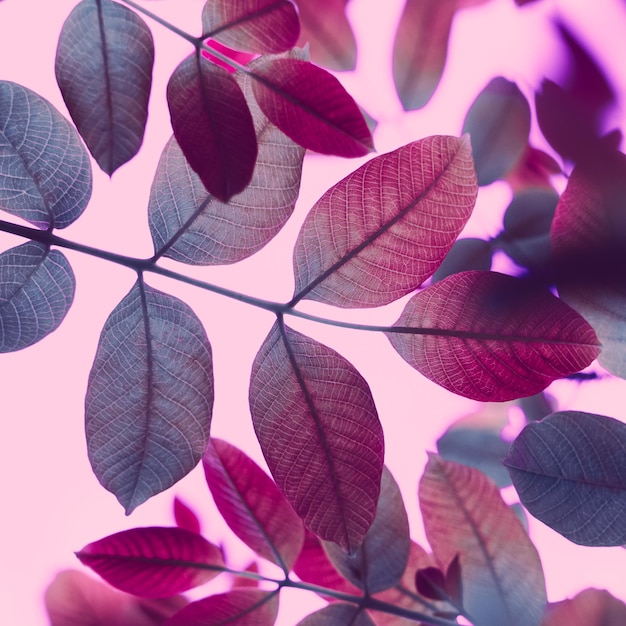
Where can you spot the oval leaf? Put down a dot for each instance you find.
(464, 514)
(213, 125)
(104, 70)
(591, 607)
(45, 176)
(252, 505)
(492, 337)
(569, 472)
(384, 229)
(185, 516)
(36, 291)
(338, 614)
(310, 105)
(315, 419)
(466, 254)
(149, 396)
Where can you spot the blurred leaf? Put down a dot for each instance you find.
(185, 517)
(45, 175)
(315, 419)
(431, 583)
(537, 406)
(466, 254)
(590, 607)
(338, 614)
(569, 472)
(533, 171)
(104, 70)
(243, 582)
(380, 232)
(149, 396)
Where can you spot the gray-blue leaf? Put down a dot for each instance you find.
(150, 396)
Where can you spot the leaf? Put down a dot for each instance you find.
(185, 517)
(149, 396)
(498, 123)
(260, 26)
(569, 472)
(213, 125)
(464, 514)
(316, 421)
(103, 67)
(252, 505)
(311, 107)
(45, 176)
(381, 231)
(338, 614)
(590, 607)
(242, 58)
(466, 254)
(153, 562)
(238, 607)
(36, 291)
(380, 561)
(492, 337)
(431, 583)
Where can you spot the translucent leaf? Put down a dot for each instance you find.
(466, 254)
(315, 419)
(591, 607)
(569, 472)
(213, 125)
(311, 107)
(338, 614)
(45, 175)
(492, 337)
(381, 231)
(36, 291)
(104, 70)
(185, 517)
(382, 557)
(252, 505)
(153, 562)
(260, 26)
(149, 396)
(464, 514)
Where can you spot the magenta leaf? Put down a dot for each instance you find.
(239, 607)
(380, 561)
(36, 291)
(149, 396)
(338, 614)
(242, 58)
(104, 70)
(464, 514)
(213, 125)
(315, 419)
(569, 472)
(380, 232)
(311, 107)
(252, 505)
(260, 26)
(45, 175)
(431, 583)
(153, 562)
(492, 337)
(590, 607)
(468, 253)
(185, 517)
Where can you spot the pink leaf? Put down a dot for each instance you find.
(338, 614)
(260, 26)
(244, 581)
(492, 337)
(153, 562)
(252, 505)
(591, 607)
(243, 58)
(315, 419)
(185, 517)
(239, 607)
(464, 514)
(213, 125)
(384, 229)
(311, 107)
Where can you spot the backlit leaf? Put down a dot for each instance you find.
(185, 517)
(570, 473)
(338, 614)
(591, 607)
(464, 514)
(492, 337)
(381, 231)
(252, 505)
(104, 70)
(36, 291)
(153, 562)
(315, 419)
(149, 396)
(45, 175)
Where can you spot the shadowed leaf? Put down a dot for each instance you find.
(591, 607)
(338, 614)
(104, 70)
(185, 517)
(466, 254)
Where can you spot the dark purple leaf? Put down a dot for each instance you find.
(591, 607)
(338, 614)
(185, 517)
(252, 505)
(454, 581)
(464, 514)
(213, 125)
(431, 583)
(466, 254)
(45, 175)
(570, 473)
(315, 419)
(521, 3)
(149, 396)
(380, 232)
(492, 337)
(104, 70)
(153, 562)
